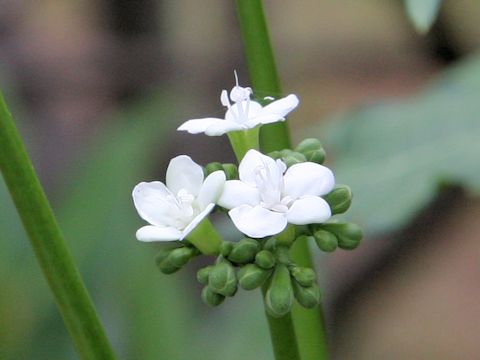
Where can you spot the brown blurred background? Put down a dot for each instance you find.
(409, 295)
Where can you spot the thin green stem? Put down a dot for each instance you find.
(262, 69)
(48, 244)
(244, 140)
(309, 325)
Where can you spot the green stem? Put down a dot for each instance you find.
(284, 341)
(244, 140)
(48, 244)
(205, 238)
(262, 69)
(309, 325)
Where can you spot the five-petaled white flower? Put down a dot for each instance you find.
(267, 198)
(243, 114)
(176, 209)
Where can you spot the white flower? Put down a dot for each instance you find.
(176, 209)
(243, 114)
(267, 198)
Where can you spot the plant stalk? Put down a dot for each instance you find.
(49, 246)
(308, 324)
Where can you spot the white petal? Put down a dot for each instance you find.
(251, 162)
(235, 114)
(236, 193)
(264, 119)
(184, 173)
(154, 233)
(257, 222)
(211, 189)
(281, 107)
(196, 221)
(196, 126)
(152, 201)
(223, 127)
(308, 179)
(309, 210)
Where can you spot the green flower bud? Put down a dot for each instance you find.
(348, 234)
(309, 144)
(211, 298)
(316, 156)
(304, 276)
(326, 241)
(212, 167)
(279, 296)
(312, 149)
(293, 158)
(203, 273)
(222, 279)
(180, 256)
(339, 199)
(308, 297)
(265, 259)
(251, 276)
(244, 251)
(164, 262)
(231, 171)
(270, 244)
(287, 236)
(275, 155)
(226, 248)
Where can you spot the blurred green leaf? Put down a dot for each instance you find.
(396, 154)
(422, 13)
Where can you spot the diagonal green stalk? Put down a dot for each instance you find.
(308, 324)
(48, 244)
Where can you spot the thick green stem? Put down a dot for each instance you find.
(244, 140)
(284, 341)
(309, 326)
(48, 244)
(205, 238)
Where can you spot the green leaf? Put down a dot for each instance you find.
(422, 13)
(396, 154)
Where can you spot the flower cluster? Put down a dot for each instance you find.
(273, 199)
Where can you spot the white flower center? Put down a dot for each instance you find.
(269, 182)
(182, 208)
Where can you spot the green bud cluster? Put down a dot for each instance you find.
(339, 199)
(170, 260)
(230, 170)
(329, 236)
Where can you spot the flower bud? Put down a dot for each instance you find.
(203, 273)
(308, 297)
(316, 156)
(180, 256)
(339, 199)
(304, 276)
(222, 279)
(279, 296)
(312, 149)
(348, 234)
(275, 154)
(309, 144)
(326, 241)
(265, 259)
(231, 171)
(211, 298)
(212, 167)
(251, 276)
(226, 248)
(244, 251)
(164, 262)
(290, 157)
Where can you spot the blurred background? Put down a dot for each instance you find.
(97, 89)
